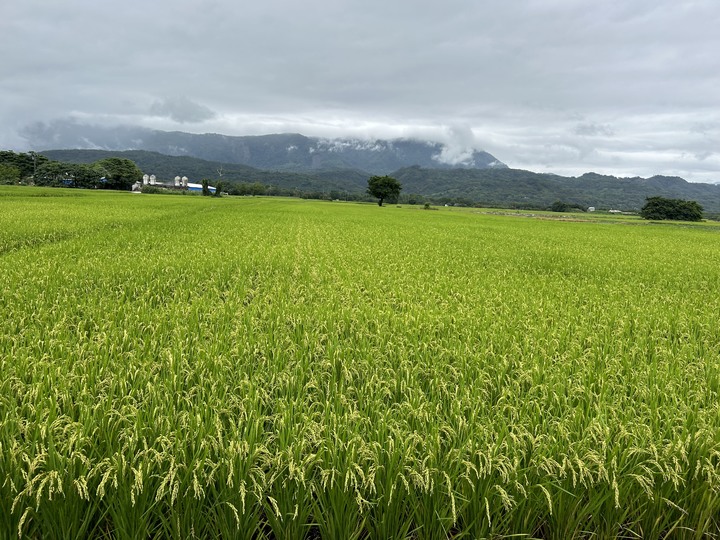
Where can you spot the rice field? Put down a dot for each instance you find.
(258, 368)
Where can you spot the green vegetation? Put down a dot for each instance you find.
(384, 187)
(256, 368)
(289, 152)
(118, 173)
(659, 208)
(560, 206)
(24, 165)
(269, 182)
(494, 187)
(159, 190)
(9, 174)
(514, 188)
(107, 173)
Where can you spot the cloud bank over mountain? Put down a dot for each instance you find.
(280, 152)
(566, 86)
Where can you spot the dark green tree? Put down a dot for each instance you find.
(9, 174)
(205, 187)
(559, 206)
(26, 163)
(119, 173)
(660, 208)
(384, 187)
(72, 175)
(562, 206)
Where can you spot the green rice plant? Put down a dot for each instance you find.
(263, 368)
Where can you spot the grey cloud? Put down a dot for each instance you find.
(621, 81)
(71, 133)
(590, 129)
(702, 156)
(182, 110)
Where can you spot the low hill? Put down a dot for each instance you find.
(167, 167)
(520, 188)
(501, 187)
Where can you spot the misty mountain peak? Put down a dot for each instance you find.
(283, 152)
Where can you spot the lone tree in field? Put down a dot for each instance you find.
(658, 208)
(384, 187)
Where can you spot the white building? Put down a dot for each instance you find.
(178, 183)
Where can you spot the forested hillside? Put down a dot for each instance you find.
(167, 167)
(278, 152)
(519, 188)
(495, 187)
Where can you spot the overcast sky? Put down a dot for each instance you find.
(624, 87)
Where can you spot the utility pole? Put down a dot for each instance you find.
(34, 158)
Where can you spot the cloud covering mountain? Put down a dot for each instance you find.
(285, 152)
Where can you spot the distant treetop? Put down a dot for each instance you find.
(659, 208)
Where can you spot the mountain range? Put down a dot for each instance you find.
(425, 169)
(290, 152)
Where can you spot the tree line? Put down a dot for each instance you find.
(36, 169)
(121, 173)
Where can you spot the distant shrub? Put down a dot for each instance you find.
(659, 208)
(156, 190)
(560, 206)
